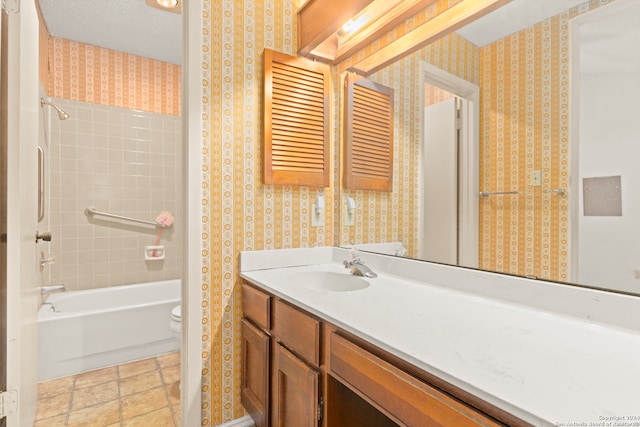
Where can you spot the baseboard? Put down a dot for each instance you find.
(245, 421)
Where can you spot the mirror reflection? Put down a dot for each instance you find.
(514, 142)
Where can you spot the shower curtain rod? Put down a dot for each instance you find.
(92, 212)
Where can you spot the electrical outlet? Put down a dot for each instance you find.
(535, 178)
(317, 218)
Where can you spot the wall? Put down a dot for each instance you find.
(120, 152)
(120, 161)
(82, 72)
(239, 212)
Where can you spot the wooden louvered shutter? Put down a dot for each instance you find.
(296, 121)
(368, 132)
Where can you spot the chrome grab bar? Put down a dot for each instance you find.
(41, 184)
(92, 212)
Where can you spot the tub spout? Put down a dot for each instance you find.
(44, 290)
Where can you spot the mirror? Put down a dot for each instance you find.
(540, 181)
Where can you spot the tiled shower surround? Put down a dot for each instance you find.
(124, 162)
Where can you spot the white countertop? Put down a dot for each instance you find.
(520, 353)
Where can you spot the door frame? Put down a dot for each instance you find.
(469, 158)
(4, 173)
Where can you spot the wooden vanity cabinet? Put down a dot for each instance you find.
(298, 370)
(281, 375)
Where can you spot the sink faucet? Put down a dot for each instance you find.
(356, 266)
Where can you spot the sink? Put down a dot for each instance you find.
(328, 281)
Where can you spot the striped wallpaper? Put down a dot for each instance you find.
(82, 72)
(239, 211)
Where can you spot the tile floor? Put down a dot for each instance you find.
(141, 393)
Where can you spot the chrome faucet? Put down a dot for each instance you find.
(46, 290)
(356, 266)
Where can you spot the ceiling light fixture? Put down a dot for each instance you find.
(445, 23)
(170, 5)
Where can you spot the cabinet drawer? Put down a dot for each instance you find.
(298, 331)
(402, 397)
(256, 306)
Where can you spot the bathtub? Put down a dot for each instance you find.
(83, 330)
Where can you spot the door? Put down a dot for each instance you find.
(21, 80)
(295, 391)
(605, 173)
(440, 232)
(254, 389)
(4, 151)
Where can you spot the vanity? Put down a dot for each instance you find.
(430, 344)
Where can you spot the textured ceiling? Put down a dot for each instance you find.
(513, 17)
(129, 26)
(134, 27)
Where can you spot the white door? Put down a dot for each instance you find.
(606, 177)
(439, 238)
(22, 221)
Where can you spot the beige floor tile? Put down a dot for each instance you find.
(52, 388)
(177, 414)
(169, 359)
(144, 402)
(118, 424)
(101, 415)
(94, 395)
(99, 376)
(137, 367)
(171, 374)
(173, 390)
(52, 406)
(59, 421)
(140, 383)
(159, 418)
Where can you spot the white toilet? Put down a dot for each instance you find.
(176, 322)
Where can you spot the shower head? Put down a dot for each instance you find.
(61, 114)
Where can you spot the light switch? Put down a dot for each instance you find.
(317, 216)
(535, 178)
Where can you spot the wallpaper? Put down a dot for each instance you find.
(82, 72)
(239, 211)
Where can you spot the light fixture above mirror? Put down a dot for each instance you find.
(330, 30)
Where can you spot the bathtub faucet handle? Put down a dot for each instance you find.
(46, 236)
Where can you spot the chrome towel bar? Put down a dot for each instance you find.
(557, 191)
(92, 212)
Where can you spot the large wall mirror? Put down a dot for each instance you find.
(515, 142)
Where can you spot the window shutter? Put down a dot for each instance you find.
(368, 150)
(296, 121)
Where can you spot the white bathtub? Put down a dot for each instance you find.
(96, 328)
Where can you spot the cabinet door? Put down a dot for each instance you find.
(255, 373)
(295, 391)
